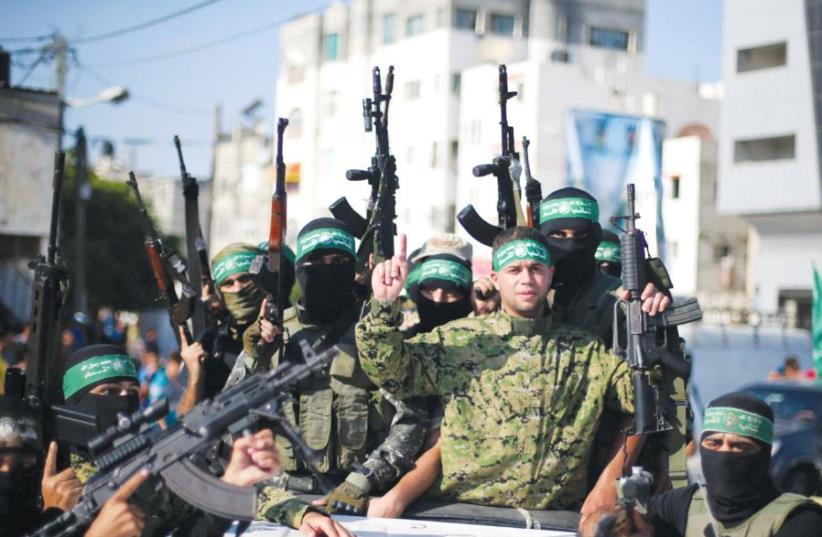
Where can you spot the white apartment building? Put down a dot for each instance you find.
(769, 146)
(561, 55)
(710, 264)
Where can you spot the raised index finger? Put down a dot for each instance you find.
(133, 483)
(50, 468)
(403, 247)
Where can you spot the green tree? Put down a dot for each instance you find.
(118, 272)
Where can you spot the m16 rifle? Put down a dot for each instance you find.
(275, 259)
(43, 373)
(651, 345)
(167, 267)
(506, 169)
(376, 231)
(533, 188)
(128, 447)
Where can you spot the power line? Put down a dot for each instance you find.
(174, 109)
(32, 38)
(193, 48)
(142, 25)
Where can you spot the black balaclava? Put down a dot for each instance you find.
(19, 487)
(738, 484)
(441, 271)
(94, 365)
(573, 258)
(327, 290)
(608, 254)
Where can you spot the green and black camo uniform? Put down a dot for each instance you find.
(342, 415)
(521, 397)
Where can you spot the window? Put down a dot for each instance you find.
(413, 25)
(412, 89)
(675, 187)
(501, 24)
(764, 57)
(295, 123)
(608, 38)
(763, 149)
(331, 47)
(456, 84)
(389, 28)
(465, 19)
(328, 106)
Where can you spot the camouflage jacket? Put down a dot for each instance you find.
(522, 399)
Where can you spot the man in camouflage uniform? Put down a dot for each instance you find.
(101, 380)
(521, 391)
(609, 254)
(364, 439)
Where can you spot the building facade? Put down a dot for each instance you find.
(769, 146)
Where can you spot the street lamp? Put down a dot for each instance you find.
(114, 95)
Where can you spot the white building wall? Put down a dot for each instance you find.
(768, 102)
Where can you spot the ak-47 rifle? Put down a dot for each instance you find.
(167, 267)
(377, 229)
(275, 286)
(651, 345)
(533, 188)
(126, 448)
(43, 373)
(506, 169)
(198, 265)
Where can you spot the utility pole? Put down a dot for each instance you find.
(83, 195)
(60, 49)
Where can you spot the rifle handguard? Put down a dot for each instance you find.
(358, 175)
(481, 170)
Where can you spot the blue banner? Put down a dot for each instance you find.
(604, 152)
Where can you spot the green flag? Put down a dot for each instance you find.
(816, 327)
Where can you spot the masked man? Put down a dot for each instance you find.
(101, 380)
(609, 254)
(440, 282)
(364, 439)
(739, 497)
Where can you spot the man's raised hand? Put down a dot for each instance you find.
(389, 277)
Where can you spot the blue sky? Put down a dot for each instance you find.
(177, 94)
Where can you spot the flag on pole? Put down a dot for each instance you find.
(816, 323)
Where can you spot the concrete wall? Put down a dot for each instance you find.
(768, 102)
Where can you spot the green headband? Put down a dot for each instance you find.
(520, 250)
(736, 421)
(441, 269)
(568, 208)
(231, 264)
(608, 251)
(325, 238)
(94, 370)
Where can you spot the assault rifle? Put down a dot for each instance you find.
(533, 188)
(167, 267)
(633, 493)
(506, 169)
(376, 231)
(43, 375)
(126, 448)
(277, 293)
(651, 344)
(199, 270)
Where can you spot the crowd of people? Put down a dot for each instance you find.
(501, 391)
